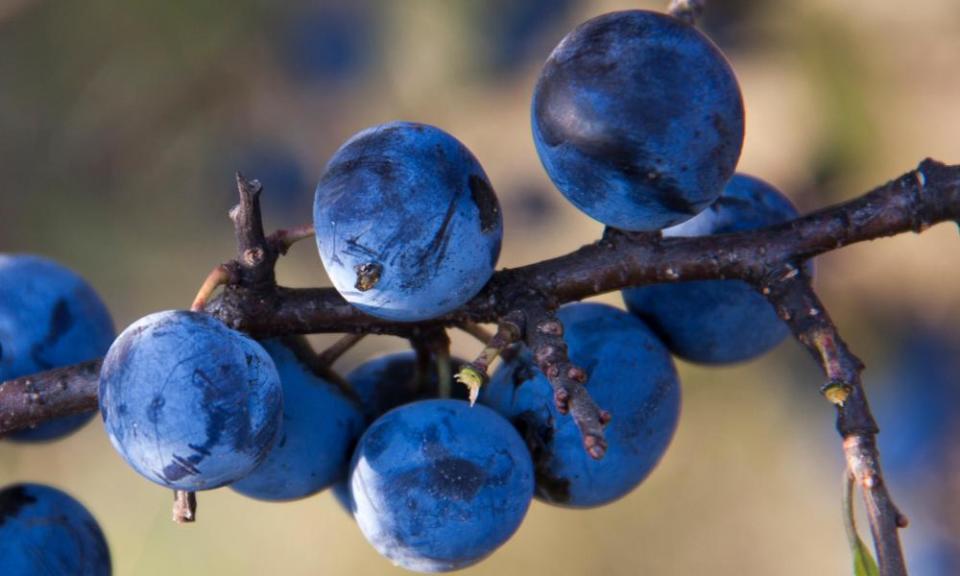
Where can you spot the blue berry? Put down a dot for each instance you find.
(189, 403)
(383, 383)
(49, 317)
(44, 531)
(638, 119)
(439, 485)
(718, 321)
(407, 223)
(630, 373)
(920, 400)
(320, 427)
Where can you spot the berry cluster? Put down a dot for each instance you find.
(638, 120)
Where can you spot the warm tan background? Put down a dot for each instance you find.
(121, 125)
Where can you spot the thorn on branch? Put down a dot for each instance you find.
(256, 257)
(544, 336)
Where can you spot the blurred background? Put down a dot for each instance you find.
(121, 125)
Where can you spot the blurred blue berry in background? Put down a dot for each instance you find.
(918, 403)
(331, 42)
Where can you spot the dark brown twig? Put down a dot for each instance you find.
(913, 202)
(798, 305)
(31, 400)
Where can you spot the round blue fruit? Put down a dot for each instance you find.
(44, 531)
(407, 223)
(320, 427)
(718, 321)
(383, 383)
(189, 403)
(630, 373)
(49, 317)
(638, 119)
(438, 485)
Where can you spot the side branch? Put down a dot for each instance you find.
(544, 336)
(798, 305)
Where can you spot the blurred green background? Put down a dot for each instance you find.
(121, 124)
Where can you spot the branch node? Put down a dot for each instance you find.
(836, 392)
(794, 298)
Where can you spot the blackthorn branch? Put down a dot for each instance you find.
(799, 306)
(544, 336)
(252, 302)
(523, 302)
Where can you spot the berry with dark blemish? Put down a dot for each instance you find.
(444, 486)
(202, 404)
(407, 223)
(45, 531)
(638, 119)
